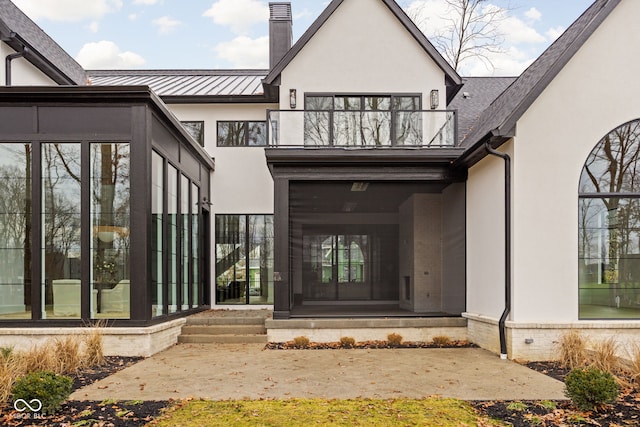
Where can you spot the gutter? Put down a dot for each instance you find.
(507, 246)
(11, 57)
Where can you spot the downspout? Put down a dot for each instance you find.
(7, 63)
(507, 246)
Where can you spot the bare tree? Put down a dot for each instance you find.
(471, 29)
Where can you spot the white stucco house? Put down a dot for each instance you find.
(359, 179)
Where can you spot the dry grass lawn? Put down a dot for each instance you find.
(320, 412)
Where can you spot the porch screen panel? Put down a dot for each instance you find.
(61, 255)
(15, 230)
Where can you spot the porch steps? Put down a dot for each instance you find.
(229, 329)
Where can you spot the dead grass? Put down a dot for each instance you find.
(301, 342)
(441, 340)
(573, 350)
(93, 345)
(307, 412)
(633, 365)
(604, 356)
(394, 339)
(39, 358)
(347, 342)
(69, 358)
(10, 368)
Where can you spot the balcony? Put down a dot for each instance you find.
(361, 129)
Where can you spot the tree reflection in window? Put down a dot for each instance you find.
(609, 227)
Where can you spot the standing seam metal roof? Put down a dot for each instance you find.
(186, 82)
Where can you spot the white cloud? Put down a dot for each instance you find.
(238, 15)
(245, 52)
(553, 33)
(511, 63)
(68, 10)
(517, 32)
(146, 2)
(166, 24)
(94, 26)
(107, 55)
(132, 16)
(533, 14)
(517, 36)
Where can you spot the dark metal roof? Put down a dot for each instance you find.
(476, 94)
(451, 75)
(183, 83)
(18, 31)
(499, 120)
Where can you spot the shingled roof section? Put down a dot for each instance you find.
(46, 54)
(476, 95)
(500, 118)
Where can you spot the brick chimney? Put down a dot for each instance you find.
(280, 31)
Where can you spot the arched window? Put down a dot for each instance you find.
(609, 227)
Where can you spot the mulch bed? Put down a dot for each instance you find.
(290, 345)
(91, 413)
(624, 412)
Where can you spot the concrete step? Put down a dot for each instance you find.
(222, 339)
(224, 329)
(225, 321)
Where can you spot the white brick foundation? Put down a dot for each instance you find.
(544, 337)
(118, 341)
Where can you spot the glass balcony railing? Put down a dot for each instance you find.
(361, 129)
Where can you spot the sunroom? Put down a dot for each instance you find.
(104, 208)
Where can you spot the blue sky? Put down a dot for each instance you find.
(195, 34)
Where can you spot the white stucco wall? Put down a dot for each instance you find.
(596, 92)
(23, 73)
(362, 48)
(241, 182)
(485, 236)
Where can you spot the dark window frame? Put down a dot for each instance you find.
(246, 126)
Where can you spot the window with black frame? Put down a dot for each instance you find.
(362, 120)
(242, 133)
(196, 130)
(609, 227)
(244, 259)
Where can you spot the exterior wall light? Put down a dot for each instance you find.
(292, 98)
(435, 99)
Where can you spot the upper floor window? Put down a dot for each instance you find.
(362, 120)
(196, 130)
(609, 227)
(242, 133)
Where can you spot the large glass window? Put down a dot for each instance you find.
(242, 133)
(609, 227)
(355, 120)
(61, 201)
(110, 244)
(244, 259)
(196, 130)
(185, 214)
(157, 235)
(15, 230)
(195, 243)
(172, 237)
